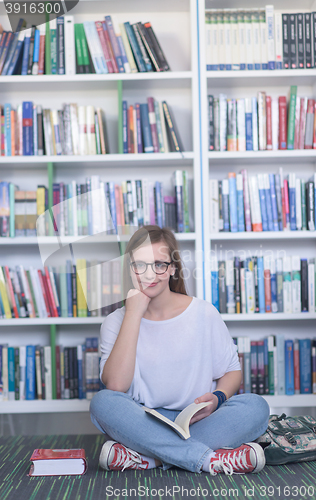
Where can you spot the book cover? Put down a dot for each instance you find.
(62, 462)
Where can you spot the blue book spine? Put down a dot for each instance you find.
(139, 129)
(305, 366)
(292, 203)
(269, 208)
(233, 204)
(80, 373)
(10, 54)
(240, 206)
(26, 48)
(266, 365)
(274, 291)
(30, 373)
(147, 138)
(249, 145)
(260, 270)
(280, 363)
(158, 203)
(289, 367)
(11, 373)
(264, 66)
(125, 128)
(27, 120)
(1, 378)
(113, 207)
(36, 46)
(215, 289)
(275, 216)
(16, 55)
(114, 43)
(263, 206)
(89, 206)
(69, 288)
(122, 50)
(2, 41)
(7, 129)
(226, 212)
(257, 66)
(135, 48)
(254, 124)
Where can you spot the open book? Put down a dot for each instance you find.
(181, 423)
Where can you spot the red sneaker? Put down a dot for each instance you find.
(249, 457)
(115, 456)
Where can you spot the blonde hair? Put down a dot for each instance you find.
(156, 235)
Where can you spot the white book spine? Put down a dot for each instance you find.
(254, 201)
(163, 128)
(255, 22)
(235, 39)
(215, 45)
(255, 145)
(263, 39)
(70, 54)
(242, 39)
(82, 120)
(241, 125)
(102, 207)
(22, 363)
(311, 286)
(287, 285)
(296, 284)
(56, 124)
(214, 213)
(228, 42)
(249, 41)
(230, 286)
(91, 144)
(96, 199)
(221, 41)
(48, 371)
(74, 128)
(262, 121)
(270, 36)
(208, 40)
(243, 290)
(74, 208)
(134, 197)
(250, 291)
(275, 123)
(223, 122)
(298, 201)
(93, 45)
(38, 291)
(146, 201)
(278, 39)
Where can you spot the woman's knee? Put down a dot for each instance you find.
(101, 400)
(256, 405)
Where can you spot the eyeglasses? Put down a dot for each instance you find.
(140, 267)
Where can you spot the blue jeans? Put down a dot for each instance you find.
(242, 418)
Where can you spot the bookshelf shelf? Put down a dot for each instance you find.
(95, 320)
(108, 160)
(237, 79)
(262, 157)
(263, 235)
(269, 317)
(283, 401)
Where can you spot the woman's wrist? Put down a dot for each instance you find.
(221, 397)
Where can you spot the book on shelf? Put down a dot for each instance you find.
(27, 372)
(276, 203)
(264, 285)
(63, 462)
(182, 421)
(262, 123)
(63, 47)
(260, 38)
(277, 366)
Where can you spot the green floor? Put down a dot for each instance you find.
(294, 481)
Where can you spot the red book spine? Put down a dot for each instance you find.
(131, 144)
(282, 123)
(117, 205)
(302, 122)
(269, 121)
(109, 46)
(296, 370)
(58, 380)
(12, 298)
(153, 124)
(49, 314)
(41, 56)
(287, 204)
(309, 128)
(267, 289)
(297, 123)
(50, 291)
(314, 130)
(104, 46)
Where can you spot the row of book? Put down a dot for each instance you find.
(277, 366)
(150, 128)
(74, 289)
(255, 39)
(26, 372)
(263, 285)
(30, 130)
(261, 123)
(62, 46)
(95, 206)
(263, 202)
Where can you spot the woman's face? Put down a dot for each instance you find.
(149, 282)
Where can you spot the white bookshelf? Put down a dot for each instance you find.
(217, 165)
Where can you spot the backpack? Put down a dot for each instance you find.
(289, 439)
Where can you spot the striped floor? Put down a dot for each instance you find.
(293, 482)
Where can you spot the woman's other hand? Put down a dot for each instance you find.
(205, 412)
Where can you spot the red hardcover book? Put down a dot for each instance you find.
(297, 123)
(41, 57)
(309, 127)
(267, 290)
(131, 143)
(104, 45)
(282, 122)
(58, 379)
(269, 121)
(109, 46)
(10, 287)
(296, 367)
(50, 292)
(153, 124)
(42, 282)
(58, 462)
(302, 122)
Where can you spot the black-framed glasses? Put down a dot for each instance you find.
(140, 267)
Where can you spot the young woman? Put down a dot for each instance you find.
(165, 350)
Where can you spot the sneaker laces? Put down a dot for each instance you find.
(234, 460)
(128, 457)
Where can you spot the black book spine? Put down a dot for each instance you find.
(255, 268)
(17, 372)
(222, 287)
(300, 41)
(149, 46)
(66, 373)
(304, 285)
(254, 366)
(60, 47)
(158, 50)
(313, 35)
(211, 123)
(237, 285)
(220, 206)
(293, 40)
(308, 39)
(75, 372)
(310, 207)
(31, 50)
(41, 349)
(40, 139)
(286, 44)
(71, 372)
(74, 291)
